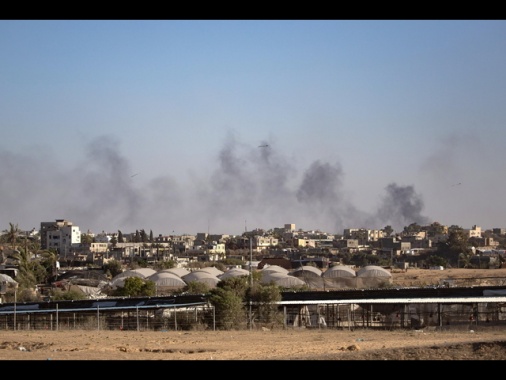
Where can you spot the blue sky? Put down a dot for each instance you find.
(158, 124)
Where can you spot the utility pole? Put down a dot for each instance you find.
(250, 280)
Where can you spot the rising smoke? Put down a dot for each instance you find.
(251, 187)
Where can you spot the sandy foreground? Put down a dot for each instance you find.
(300, 344)
(290, 344)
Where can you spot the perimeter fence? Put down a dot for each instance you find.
(430, 316)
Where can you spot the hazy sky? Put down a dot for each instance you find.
(161, 125)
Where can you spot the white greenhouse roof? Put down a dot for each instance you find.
(373, 271)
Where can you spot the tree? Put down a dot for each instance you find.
(229, 307)
(49, 262)
(388, 230)
(232, 261)
(113, 267)
(120, 237)
(67, 295)
(413, 228)
(265, 298)
(219, 265)
(165, 264)
(458, 240)
(359, 259)
(464, 260)
(435, 260)
(86, 238)
(114, 241)
(33, 244)
(25, 277)
(30, 273)
(144, 236)
(136, 287)
(435, 229)
(456, 248)
(11, 235)
(196, 287)
(238, 285)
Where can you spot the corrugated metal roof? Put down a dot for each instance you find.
(398, 300)
(25, 310)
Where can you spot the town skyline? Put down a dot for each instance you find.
(272, 228)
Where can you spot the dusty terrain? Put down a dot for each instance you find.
(457, 276)
(479, 343)
(253, 345)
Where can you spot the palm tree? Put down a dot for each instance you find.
(11, 235)
(49, 262)
(26, 274)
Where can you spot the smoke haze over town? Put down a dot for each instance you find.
(250, 187)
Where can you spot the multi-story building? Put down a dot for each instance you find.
(347, 245)
(289, 227)
(44, 228)
(375, 235)
(475, 231)
(60, 235)
(393, 246)
(363, 234)
(264, 242)
(304, 243)
(499, 231)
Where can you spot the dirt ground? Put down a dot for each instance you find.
(458, 276)
(478, 343)
(290, 344)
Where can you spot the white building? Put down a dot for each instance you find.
(63, 237)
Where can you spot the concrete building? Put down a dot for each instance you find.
(60, 235)
(475, 231)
